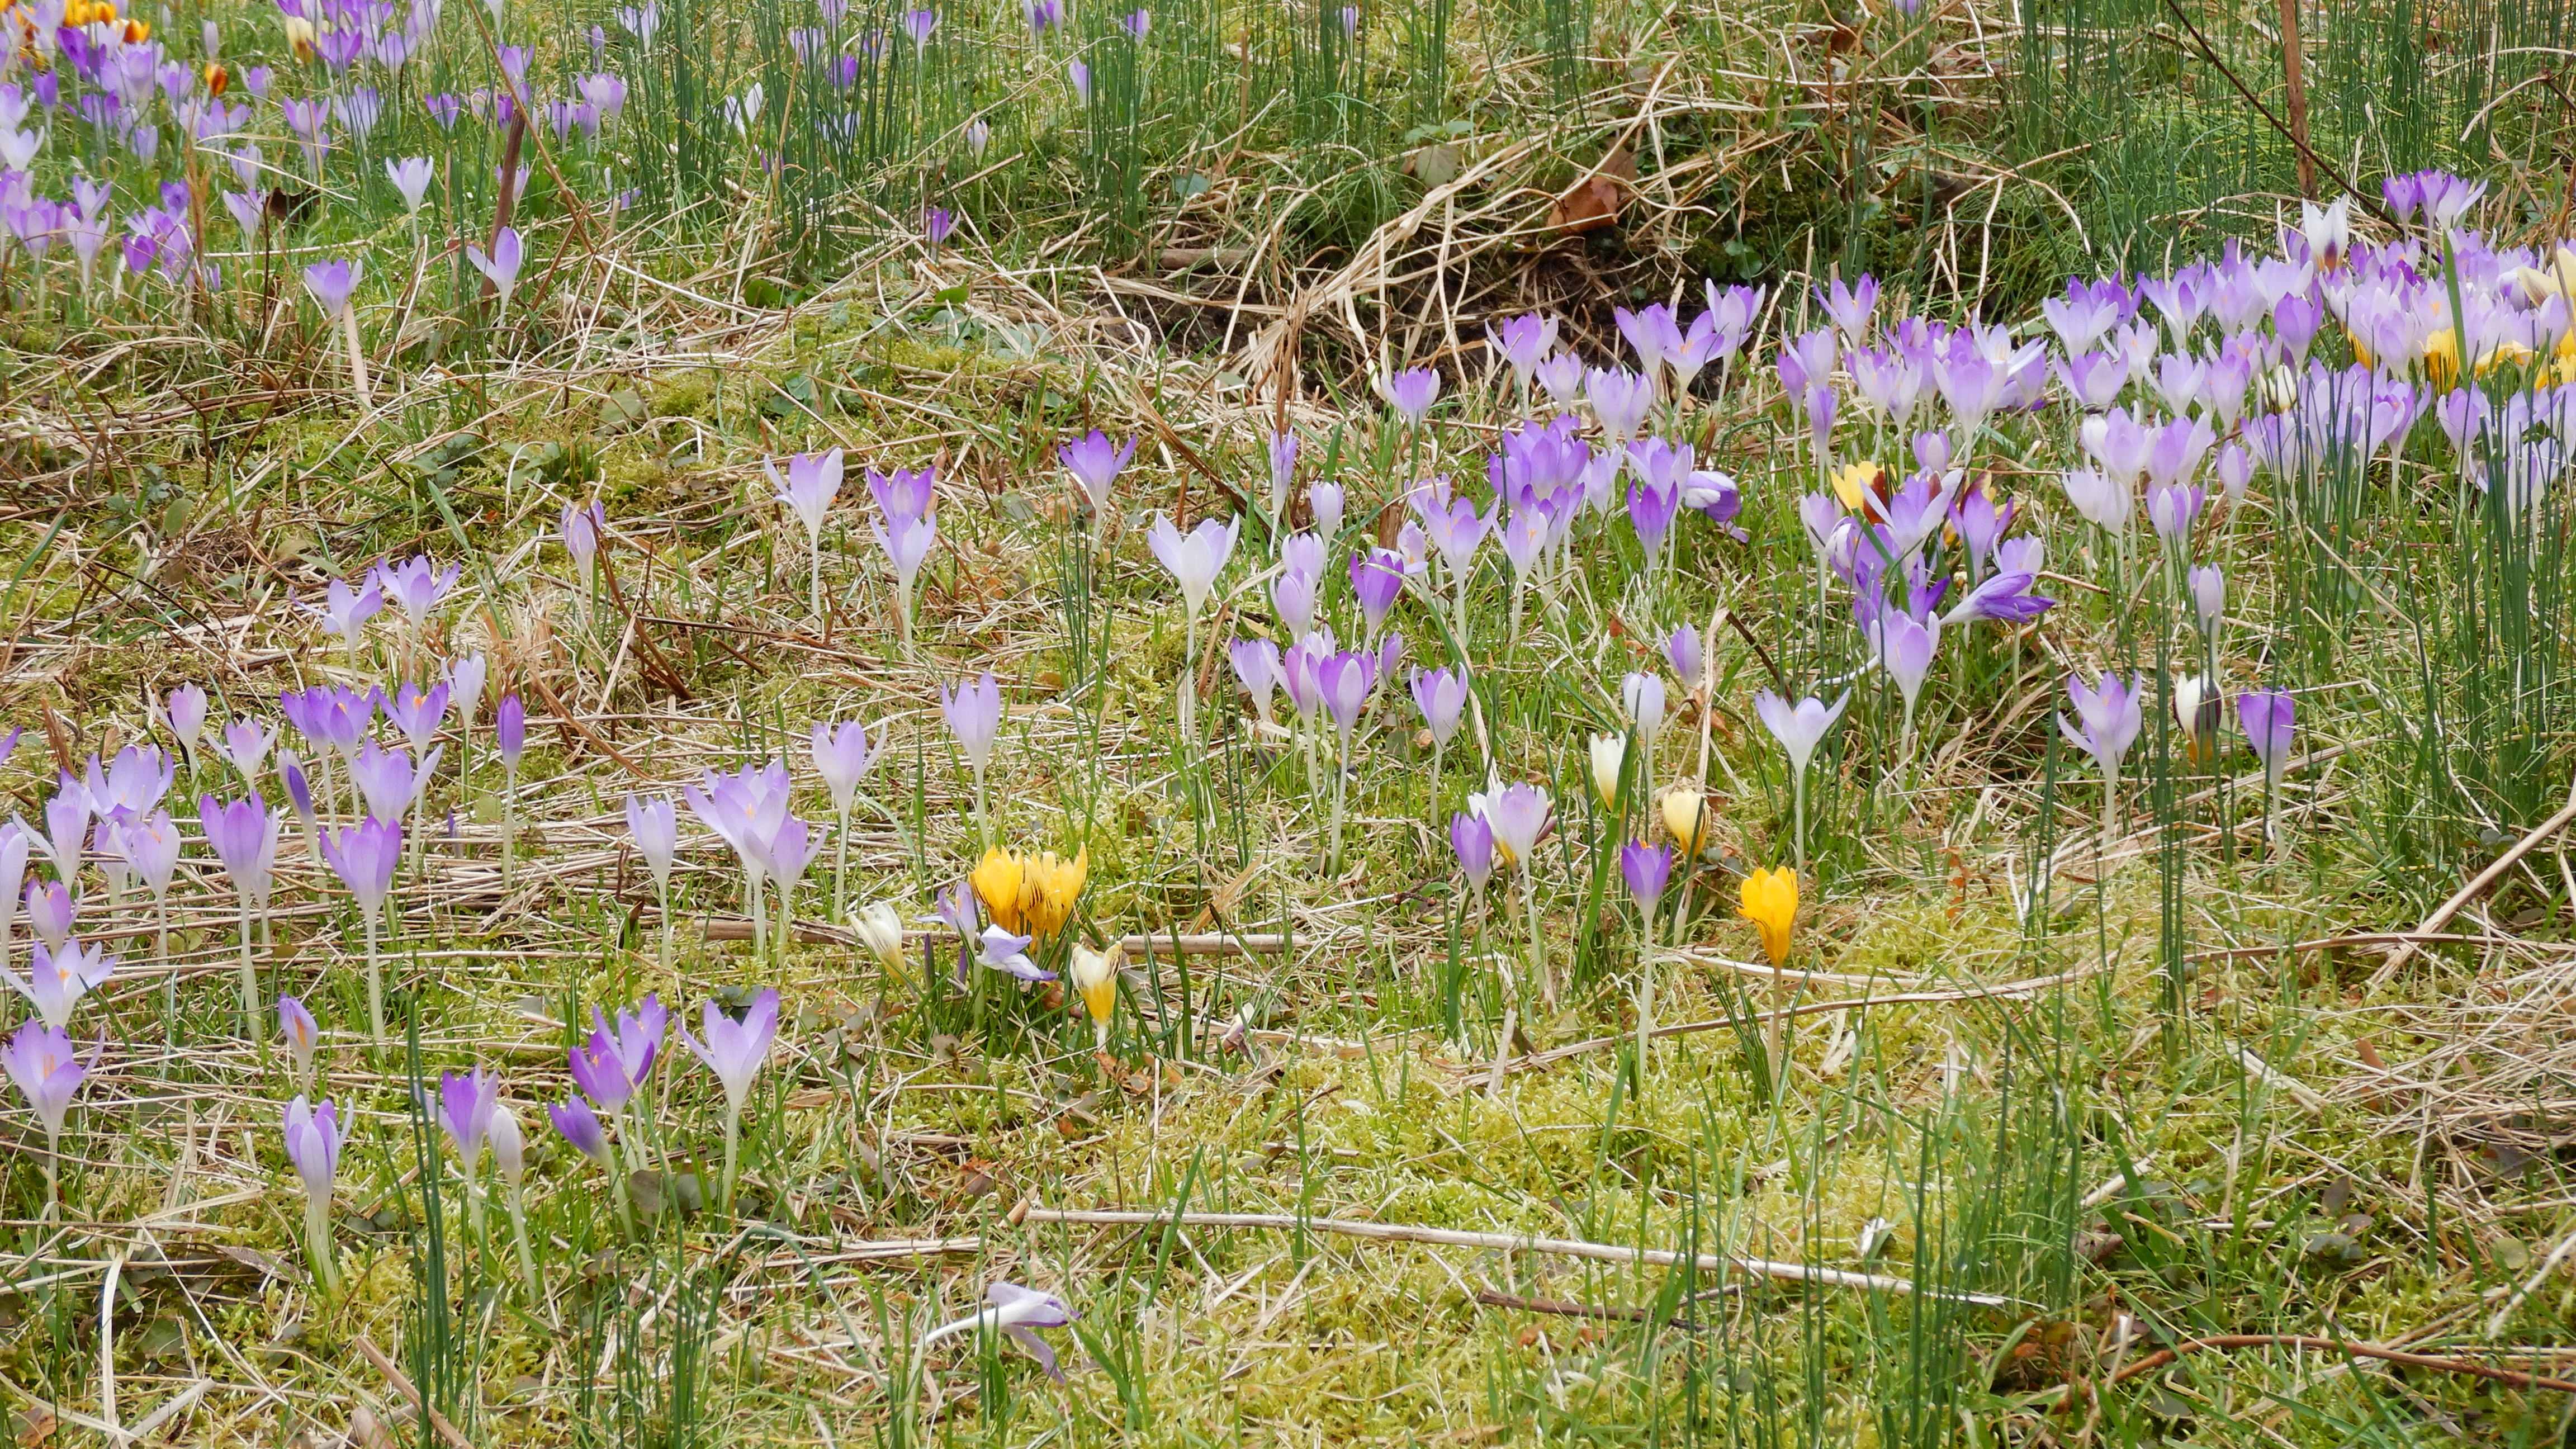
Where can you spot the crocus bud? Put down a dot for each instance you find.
(1686, 816)
(510, 723)
(880, 931)
(509, 1146)
(1095, 975)
(1609, 754)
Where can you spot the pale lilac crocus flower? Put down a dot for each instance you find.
(974, 714)
(735, 1050)
(1095, 463)
(1256, 667)
(2108, 718)
(1194, 559)
(1014, 1310)
(813, 480)
(500, 266)
(52, 908)
(466, 1101)
(314, 1137)
(1441, 695)
(364, 856)
(655, 828)
(746, 808)
(907, 542)
(243, 835)
(1799, 728)
(185, 712)
(48, 1070)
(1411, 393)
(842, 755)
(2269, 720)
(332, 284)
(303, 1037)
(57, 978)
(1518, 815)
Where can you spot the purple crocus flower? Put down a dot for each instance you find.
(1095, 463)
(332, 283)
(735, 1050)
(465, 1105)
(974, 714)
(936, 223)
(2108, 718)
(500, 266)
(510, 730)
(1683, 650)
(1441, 695)
(364, 856)
(48, 1070)
(51, 911)
(1473, 840)
(314, 1137)
(999, 950)
(244, 837)
(578, 1125)
(185, 711)
(1377, 581)
(1647, 870)
(2007, 597)
(1799, 728)
(302, 1034)
(611, 1067)
(1411, 393)
(417, 585)
(1256, 667)
(2269, 720)
(59, 976)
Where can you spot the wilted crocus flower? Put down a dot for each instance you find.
(500, 266)
(364, 856)
(735, 1051)
(974, 715)
(58, 977)
(303, 1037)
(244, 837)
(1799, 728)
(813, 480)
(655, 827)
(2108, 718)
(1095, 463)
(48, 1071)
(466, 1102)
(1411, 393)
(1014, 1310)
(314, 1137)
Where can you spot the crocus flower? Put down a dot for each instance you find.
(2268, 718)
(1195, 558)
(813, 480)
(579, 528)
(1324, 505)
(1441, 695)
(500, 266)
(410, 177)
(244, 837)
(510, 1155)
(1016, 1311)
(2110, 717)
(879, 927)
(417, 585)
(1094, 975)
(466, 1103)
(611, 1067)
(974, 714)
(580, 1127)
(314, 1136)
(1770, 902)
(1473, 840)
(1283, 470)
(1256, 667)
(735, 1050)
(842, 756)
(1683, 649)
(1647, 869)
(907, 543)
(364, 856)
(185, 710)
(2208, 594)
(1799, 728)
(655, 828)
(303, 1036)
(999, 950)
(58, 977)
(1095, 463)
(1411, 393)
(1377, 581)
(48, 1071)
(1609, 755)
(52, 910)
(246, 744)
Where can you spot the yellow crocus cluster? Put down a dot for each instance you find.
(1859, 486)
(1030, 895)
(1771, 904)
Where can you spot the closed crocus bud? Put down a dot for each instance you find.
(879, 928)
(1686, 818)
(1095, 975)
(510, 725)
(1609, 754)
(2195, 707)
(509, 1145)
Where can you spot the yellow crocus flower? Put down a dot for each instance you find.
(1030, 895)
(997, 885)
(1095, 976)
(1771, 904)
(1686, 816)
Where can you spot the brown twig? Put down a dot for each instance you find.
(1567, 1308)
(447, 1432)
(2513, 1377)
